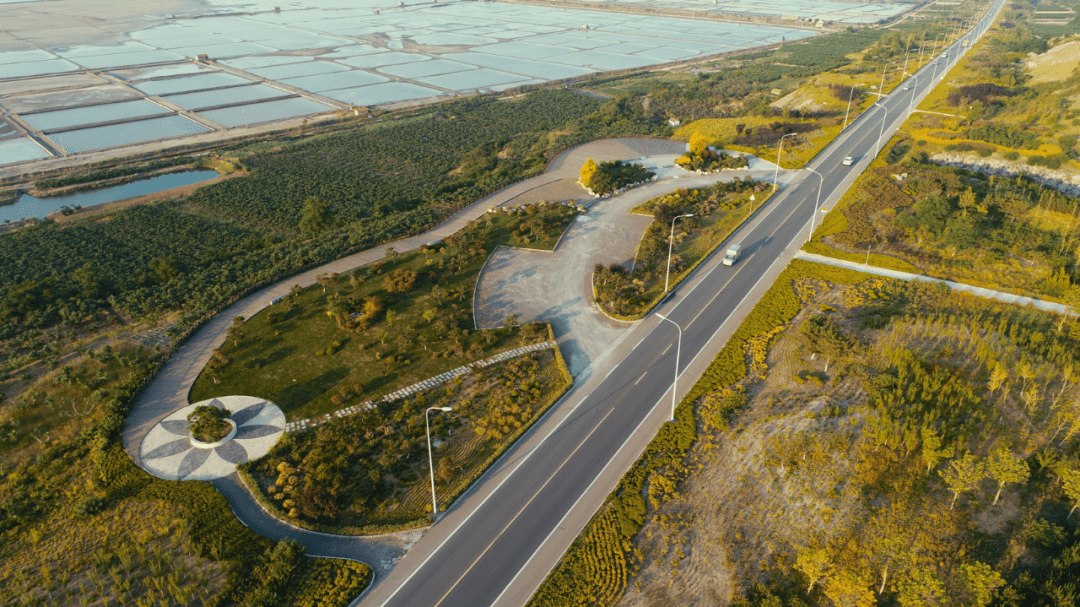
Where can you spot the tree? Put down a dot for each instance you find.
(846, 589)
(962, 475)
(698, 143)
(998, 375)
(825, 338)
(1006, 468)
(235, 332)
(977, 583)
(814, 564)
(315, 215)
(932, 451)
(921, 588)
(588, 172)
(1071, 481)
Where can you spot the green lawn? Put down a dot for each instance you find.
(310, 357)
(368, 473)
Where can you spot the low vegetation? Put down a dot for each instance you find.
(368, 472)
(702, 155)
(999, 102)
(612, 175)
(379, 328)
(717, 212)
(846, 408)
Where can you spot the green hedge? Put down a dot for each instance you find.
(573, 581)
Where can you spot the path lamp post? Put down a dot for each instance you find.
(848, 112)
(881, 87)
(671, 239)
(431, 463)
(877, 149)
(906, 58)
(816, 204)
(678, 348)
(776, 173)
(914, 90)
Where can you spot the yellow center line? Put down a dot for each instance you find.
(538, 491)
(643, 375)
(666, 349)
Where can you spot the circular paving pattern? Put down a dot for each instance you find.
(168, 451)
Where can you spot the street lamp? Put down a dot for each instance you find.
(881, 87)
(431, 463)
(877, 149)
(678, 348)
(816, 204)
(906, 58)
(776, 173)
(914, 90)
(671, 239)
(850, 93)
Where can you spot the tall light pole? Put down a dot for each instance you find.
(671, 239)
(877, 149)
(906, 58)
(817, 204)
(431, 463)
(848, 112)
(776, 173)
(881, 87)
(678, 348)
(914, 90)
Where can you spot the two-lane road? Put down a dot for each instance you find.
(499, 550)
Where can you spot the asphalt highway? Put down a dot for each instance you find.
(477, 563)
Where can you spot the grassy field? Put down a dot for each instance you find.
(131, 553)
(826, 455)
(368, 473)
(823, 470)
(310, 356)
(718, 211)
(1014, 234)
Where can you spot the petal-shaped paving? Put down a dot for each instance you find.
(167, 450)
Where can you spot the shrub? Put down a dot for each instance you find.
(1044, 161)
(91, 505)
(1011, 155)
(208, 423)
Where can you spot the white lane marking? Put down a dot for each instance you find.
(663, 400)
(538, 492)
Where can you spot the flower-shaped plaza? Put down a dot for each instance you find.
(170, 452)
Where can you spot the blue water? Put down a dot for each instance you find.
(28, 206)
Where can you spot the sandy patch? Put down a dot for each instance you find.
(1055, 64)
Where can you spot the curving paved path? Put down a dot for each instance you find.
(168, 391)
(608, 233)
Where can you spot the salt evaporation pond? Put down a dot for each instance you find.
(29, 206)
(95, 138)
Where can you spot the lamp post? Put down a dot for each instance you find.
(776, 173)
(671, 239)
(877, 149)
(817, 204)
(848, 112)
(906, 58)
(431, 463)
(881, 87)
(678, 348)
(914, 90)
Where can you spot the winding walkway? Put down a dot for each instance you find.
(168, 391)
